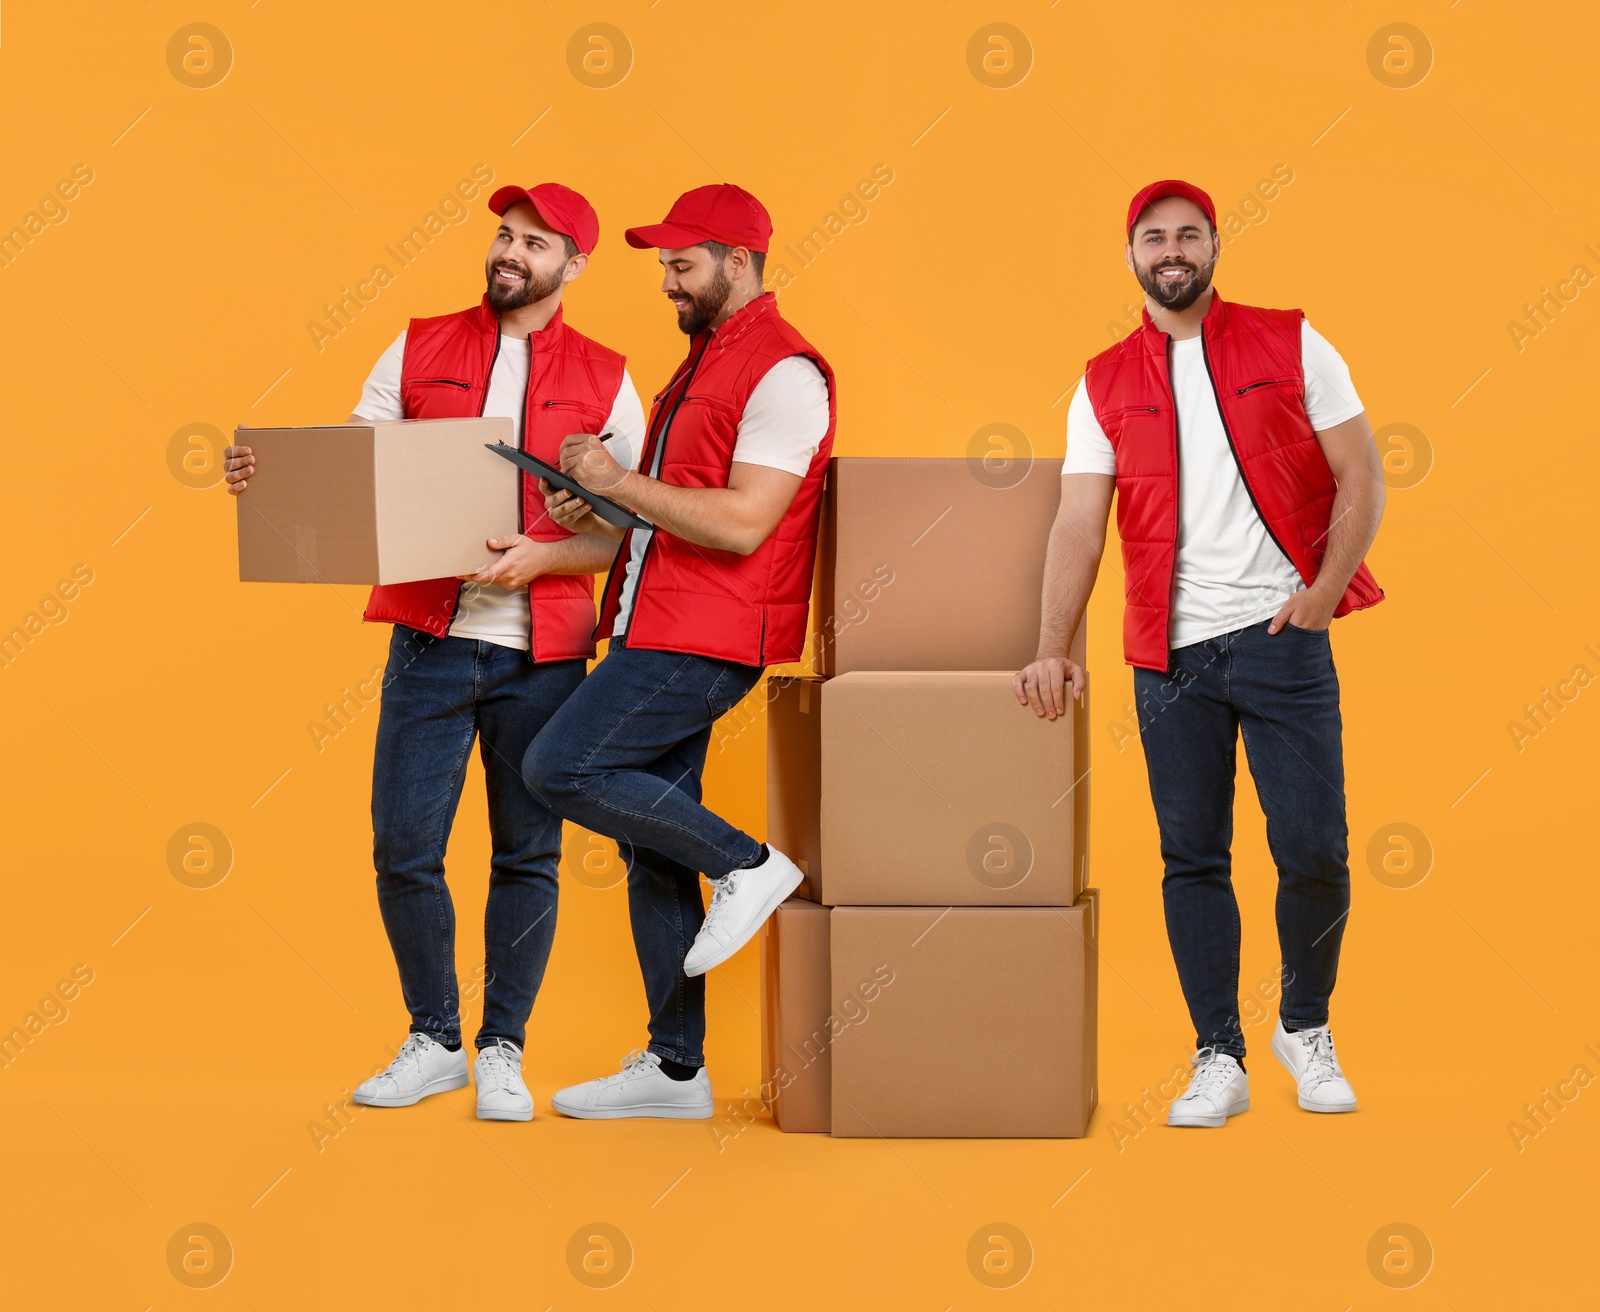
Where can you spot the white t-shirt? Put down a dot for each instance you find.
(487, 612)
(1229, 574)
(784, 421)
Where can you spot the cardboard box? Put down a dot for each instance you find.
(932, 564)
(926, 789)
(796, 1043)
(374, 503)
(890, 844)
(1082, 761)
(794, 775)
(984, 1022)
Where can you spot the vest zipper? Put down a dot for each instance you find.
(1177, 494)
(483, 402)
(1216, 396)
(627, 537)
(661, 444)
(522, 445)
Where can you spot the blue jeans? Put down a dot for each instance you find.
(623, 758)
(438, 695)
(1282, 693)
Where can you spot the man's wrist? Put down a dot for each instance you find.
(624, 486)
(541, 556)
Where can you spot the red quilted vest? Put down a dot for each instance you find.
(1253, 356)
(572, 383)
(752, 609)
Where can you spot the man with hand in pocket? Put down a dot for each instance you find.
(491, 656)
(1248, 490)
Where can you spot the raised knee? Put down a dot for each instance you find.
(548, 775)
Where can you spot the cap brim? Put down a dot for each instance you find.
(506, 197)
(665, 236)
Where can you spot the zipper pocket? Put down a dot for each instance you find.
(567, 405)
(448, 382)
(1132, 410)
(1269, 382)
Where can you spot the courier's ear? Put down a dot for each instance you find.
(576, 265)
(738, 266)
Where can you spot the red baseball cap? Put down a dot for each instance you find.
(722, 213)
(562, 209)
(1160, 191)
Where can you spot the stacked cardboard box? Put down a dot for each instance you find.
(936, 975)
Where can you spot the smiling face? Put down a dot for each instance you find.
(527, 261)
(1173, 252)
(697, 284)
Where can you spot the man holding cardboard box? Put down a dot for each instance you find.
(1248, 490)
(695, 608)
(492, 655)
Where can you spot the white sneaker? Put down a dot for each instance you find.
(1218, 1088)
(421, 1067)
(639, 1089)
(502, 1096)
(1308, 1056)
(740, 901)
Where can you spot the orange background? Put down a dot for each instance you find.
(180, 1087)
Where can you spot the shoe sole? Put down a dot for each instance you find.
(505, 1116)
(1304, 1105)
(772, 903)
(649, 1111)
(1324, 1107)
(1195, 1121)
(427, 1091)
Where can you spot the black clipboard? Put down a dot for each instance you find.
(604, 507)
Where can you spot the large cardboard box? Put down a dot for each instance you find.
(374, 503)
(794, 775)
(984, 1023)
(927, 788)
(938, 789)
(932, 564)
(796, 1025)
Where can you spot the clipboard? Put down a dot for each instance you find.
(604, 507)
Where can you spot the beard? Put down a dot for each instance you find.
(707, 305)
(1180, 293)
(504, 297)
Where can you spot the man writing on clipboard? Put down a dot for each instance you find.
(491, 656)
(737, 447)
